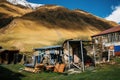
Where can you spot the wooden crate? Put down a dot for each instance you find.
(59, 68)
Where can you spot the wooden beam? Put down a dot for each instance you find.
(83, 66)
(68, 47)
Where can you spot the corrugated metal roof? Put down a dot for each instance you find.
(111, 30)
(49, 47)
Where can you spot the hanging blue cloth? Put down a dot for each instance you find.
(39, 58)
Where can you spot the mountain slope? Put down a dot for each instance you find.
(12, 10)
(49, 24)
(64, 18)
(8, 12)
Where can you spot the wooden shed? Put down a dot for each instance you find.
(48, 58)
(75, 53)
(8, 56)
(53, 54)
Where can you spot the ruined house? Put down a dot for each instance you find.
(107, 41)
(73, 53)
(76, 54)
(9, 56)
(50, 54)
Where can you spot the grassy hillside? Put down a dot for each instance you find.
(25, 37)
(68, 19)
(46, 26)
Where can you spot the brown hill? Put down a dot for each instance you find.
(65, 18)
(9, 11)
(49, 24)
(12, 10)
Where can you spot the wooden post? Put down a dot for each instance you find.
(108, 55)
(94, 54)
(83, 67)
(113, 53)
(7, 58)
(68, 47)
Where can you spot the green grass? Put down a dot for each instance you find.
(101, 72)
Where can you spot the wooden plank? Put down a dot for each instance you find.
(59, 68)
(38, 68)
(56, 68)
